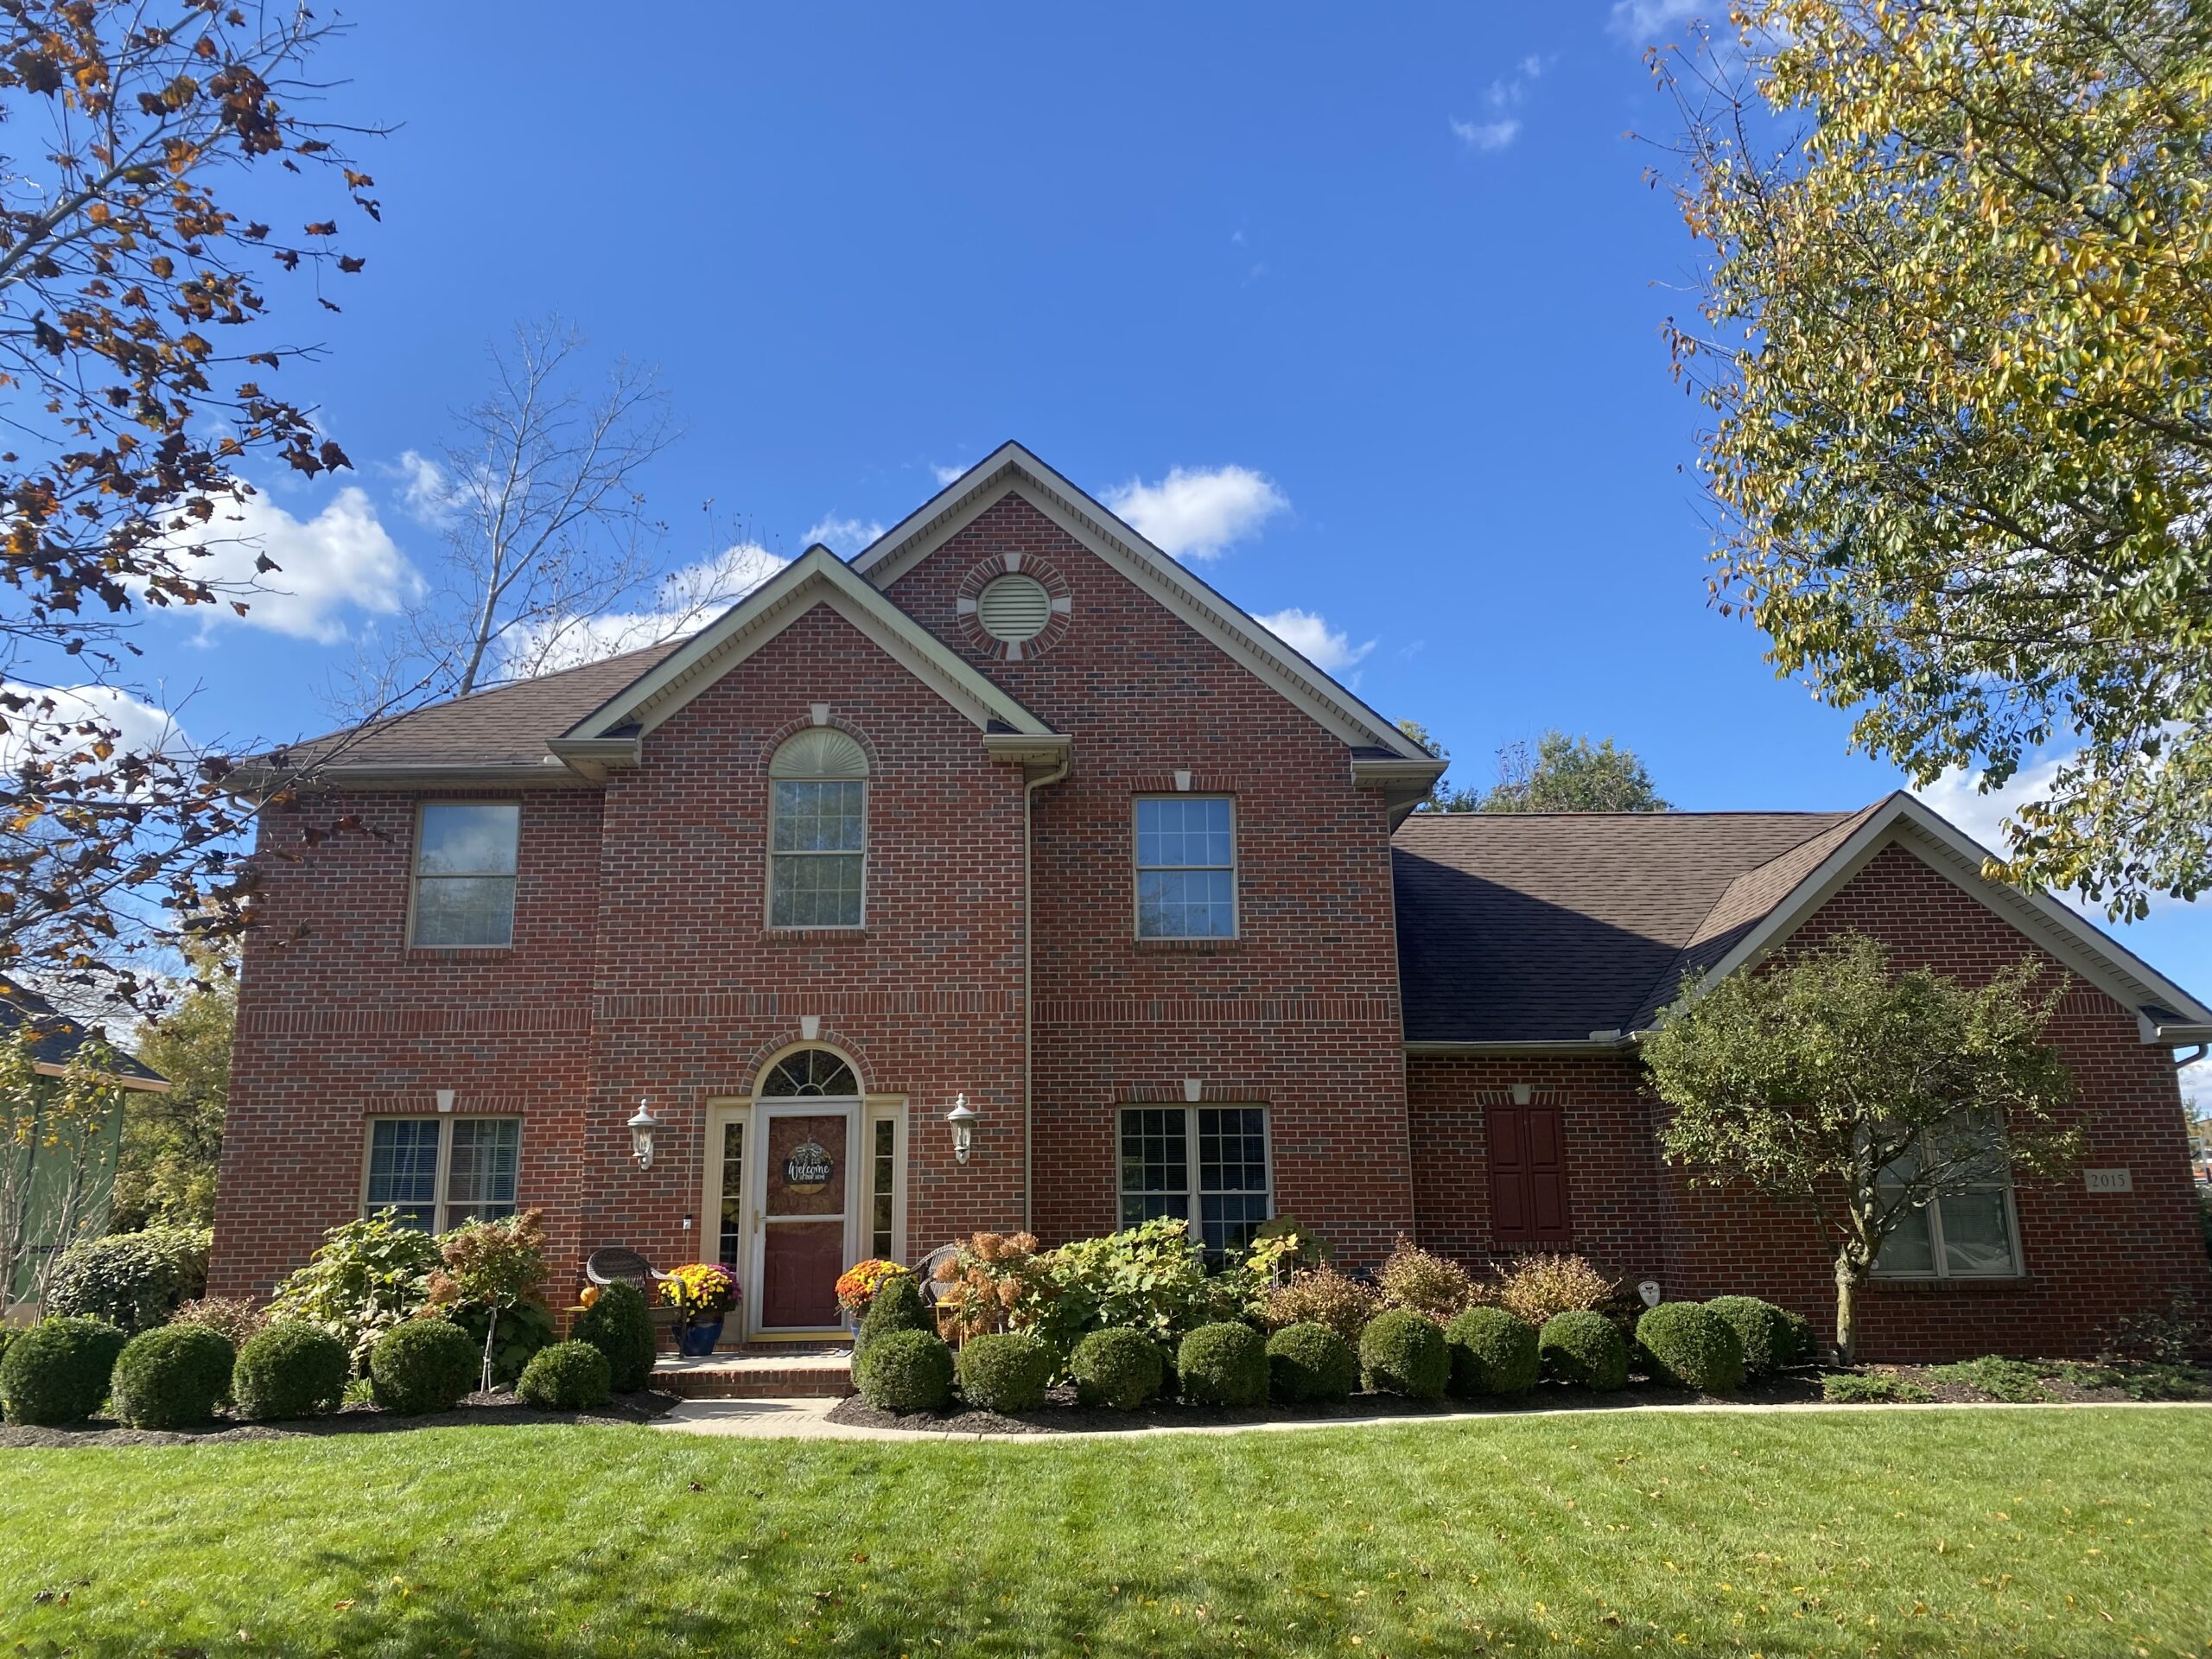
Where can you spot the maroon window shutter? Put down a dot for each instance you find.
(1528, 1175)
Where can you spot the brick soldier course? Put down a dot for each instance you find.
(1420, 1025)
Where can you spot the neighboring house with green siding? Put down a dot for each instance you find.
(57, 1169)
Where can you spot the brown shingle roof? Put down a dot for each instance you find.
(55, 1036)
(1544, 927)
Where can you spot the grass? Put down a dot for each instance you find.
(1873, 1532)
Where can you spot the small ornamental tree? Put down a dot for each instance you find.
(1860, 1092)
(496, 1266)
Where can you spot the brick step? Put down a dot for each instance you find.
(760, 1373)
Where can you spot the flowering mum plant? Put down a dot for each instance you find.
(701, 1290)
(857, 1285)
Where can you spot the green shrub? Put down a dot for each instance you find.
(1493, 1352)
(57, 1373)
(1223, 1365)
(1323, 1296)
(1151, 1278)
(898, 1305)
(8, 1334)
(524, 1329)
(1795, 1341)
(423, 1366)
(1308, 1361)
(364, 1278)
(1005, 1370)
(905, 1371)
(1758, 1329)
(1538, 1288)
(566, 1377)
(1403, 1352)
(1118, 1368)
(290, 1370)
(1583, 1347)
(173, 1377)
(621, 1325)
(1690, 1345)
(1871, 1387)
(132, 1280)
(2011, 1380)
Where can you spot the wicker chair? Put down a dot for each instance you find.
(925, 1271)
(618, 1265)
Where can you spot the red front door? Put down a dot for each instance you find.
(802, 1219)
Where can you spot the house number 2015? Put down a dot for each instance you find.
(2109, 1180)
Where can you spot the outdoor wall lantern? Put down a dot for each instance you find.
(962, 1119)
(641, 1135)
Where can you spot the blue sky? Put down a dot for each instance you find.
(1385, 284)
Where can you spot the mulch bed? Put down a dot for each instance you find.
(493, 1410)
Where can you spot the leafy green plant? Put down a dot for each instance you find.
(1223, 1365)
(1150, 1278)
(364, 1278)
(1491, 1352)
(567, 1377)
(1692, 1347)
(905, 1371)
(132, 1280)
(1871, 1387)
(1282, 1247)
(1583, 1347)
(1537, 1288)
(1310, 1361)
(289, 1371)
(1007, 1370)
(1323, 1296)
(619, 1326)
(173, 1377)
(2012, 1380)
(1117, 1368)
(56, 1373)
(424, 1365)
(1403, 1352)
(1432, 1285)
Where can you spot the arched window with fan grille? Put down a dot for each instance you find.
(817, 830)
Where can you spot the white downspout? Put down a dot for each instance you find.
(1029, 985)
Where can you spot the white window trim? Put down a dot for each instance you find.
(892, 1109)
(1939, 1268)
(414, 877)
(768, 899)
(1234, 867)
(1192, 1162)
(441, 1186)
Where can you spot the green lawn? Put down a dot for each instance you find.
(1864, 1532)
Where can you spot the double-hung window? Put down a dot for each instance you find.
(1205, 1164)
(1969, 1233)
(464, 856)
(817, 836)
(1186, 868)
(440, 1171)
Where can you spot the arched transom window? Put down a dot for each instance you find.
(809, 1071)
(817, 830)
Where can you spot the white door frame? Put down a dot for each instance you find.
(852, 1108)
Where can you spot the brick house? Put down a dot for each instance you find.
(1013, 814)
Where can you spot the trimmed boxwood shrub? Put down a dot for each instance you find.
(173, 1377)
(1690, 1345)
(898, 1305)
(56, 1373)
(905, 1371)
(133, 1280)
(1583, 1347)
(1403, 1352)
(1005, 1370)
(567, 1377)
(1223, 1364)
(1117, 1368)
(289, 1371)
(423, 1366)
(1795, 1342)
(620, 1326)
(1767, 1340)
(1493, 1352)
(1308, 1361)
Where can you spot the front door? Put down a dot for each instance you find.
(805, 1184)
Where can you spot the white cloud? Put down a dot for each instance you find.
(1194, 513)
(338, 561)
(946, 475)
(1486, 135)
(1640, 22)
(425, 489)
(843, 537)
(684, 600)
(41, 730)
(1501, 99)
(1309, 634)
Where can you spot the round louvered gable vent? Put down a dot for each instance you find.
(1013, 608)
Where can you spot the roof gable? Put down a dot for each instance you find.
(1012, 468)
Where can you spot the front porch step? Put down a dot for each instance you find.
(762, 1372)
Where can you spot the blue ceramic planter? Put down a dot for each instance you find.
(698, 1340)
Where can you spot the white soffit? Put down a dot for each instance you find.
(1011, 468)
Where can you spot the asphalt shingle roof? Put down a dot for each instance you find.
(1544, 927)
(55, 1036)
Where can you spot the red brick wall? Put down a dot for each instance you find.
(2089, 1258)
(1299, 1012)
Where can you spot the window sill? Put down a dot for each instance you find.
(811, 935)
(1185, 947)
(458, 952)
(1942, 1287)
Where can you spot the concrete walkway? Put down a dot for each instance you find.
(809, 1420)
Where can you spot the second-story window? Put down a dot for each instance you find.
(817, 830)
(465, 873)
(1186, 868)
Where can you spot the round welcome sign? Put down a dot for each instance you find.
(808, 1168)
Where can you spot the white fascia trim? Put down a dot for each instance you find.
(1011, 465)
(818, 577)
(120, 1079)
(1950, 852)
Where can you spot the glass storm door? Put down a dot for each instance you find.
(805, 1176)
